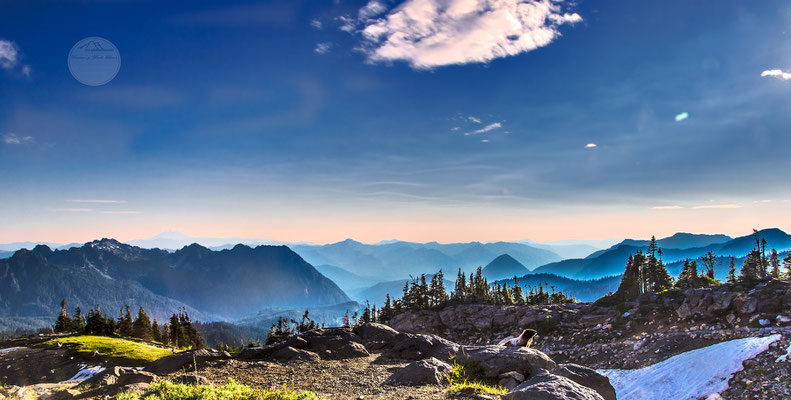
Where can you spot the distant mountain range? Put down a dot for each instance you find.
(503, 267)
(399, 260)
(225, 284)
(613, 260)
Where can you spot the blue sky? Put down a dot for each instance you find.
(472, 120)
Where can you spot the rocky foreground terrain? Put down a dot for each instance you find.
(414, 356)
(370, 361)
(639, 333)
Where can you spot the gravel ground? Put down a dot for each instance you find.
(357, 378)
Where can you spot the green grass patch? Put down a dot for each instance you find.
(470, 377)
(117, 348)
(166, 390)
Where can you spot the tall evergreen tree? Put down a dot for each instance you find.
(63, 322)
(688, 278)
(787, 265)
(774, 265)
(709, 261)
(458, 290)
(156, 333)
(176, 334)
(125, 322)
(732, 271)
(141, 327)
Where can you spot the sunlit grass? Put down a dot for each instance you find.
(465, 377)
(110, 347)
(167, 390)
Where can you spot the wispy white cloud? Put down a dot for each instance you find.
(727, 206)
(667, 208)
(776, 73)
(14, 139)
(718, 206)
(431, 33)
(474, 119)
(348, 24)
(455, 128)
(484, 140)
(316, 24)
(123, 212)
(323, 48)
(97, 201)
(487, 128)
(9, 54)
(372, 9)
(590, 145)
(26, 70)
(682, 116)
(70, 210)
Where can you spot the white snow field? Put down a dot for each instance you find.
(86, 373)
(701, 373)
(784, 357)
(10, 349)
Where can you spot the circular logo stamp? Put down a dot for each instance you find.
(94, 61)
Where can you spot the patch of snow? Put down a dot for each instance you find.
(701, 373)
(86, 373)
(10, 349)
(784, 357)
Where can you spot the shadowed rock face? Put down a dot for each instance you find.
(497, 360)
(587, 377)
(423, 372)
(551, 387)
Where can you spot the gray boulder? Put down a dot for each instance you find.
(417, 347)
(587, 377)
(289, 353)
(551, 387)
(260, 352)
(376, 333)
(178, 361)
(423, 372)
(117, 376)
(342, 351)
(497, 360)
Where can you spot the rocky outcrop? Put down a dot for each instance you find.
(121, 376)
(731, 305)
(417, 347)
(587, 377)
(179, 361)
(551, 387)
(324, 343)
(496, 360)
(424, 372)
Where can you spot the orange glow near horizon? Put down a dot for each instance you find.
(442, 225)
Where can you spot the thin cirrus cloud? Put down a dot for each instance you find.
(487, 128)
(777, 73)
(14, 139)
(323, 48)
(96, 201)
(474, 119)
(682, 116)
(9, 54)
(9, 58)
(432, 33)
(122, 212)
(728, 206)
